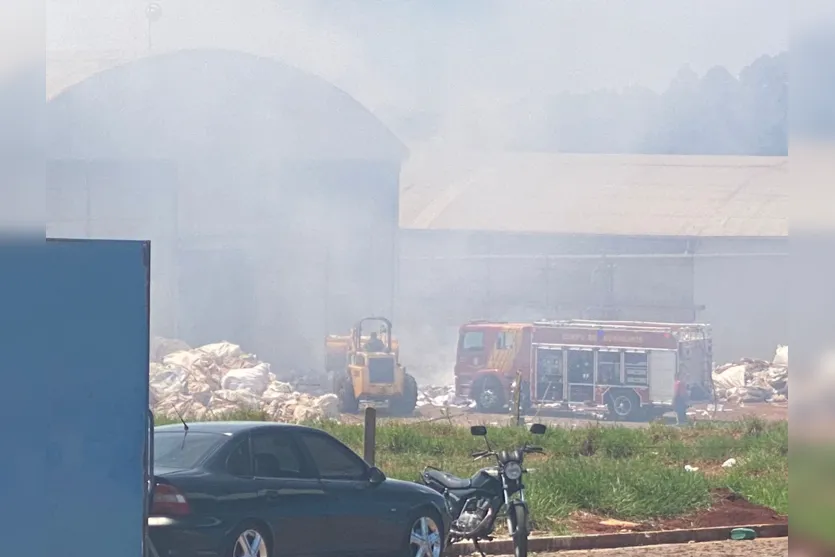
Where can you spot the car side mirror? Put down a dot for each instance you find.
(376, 476)
(478, 430)
(537, 429)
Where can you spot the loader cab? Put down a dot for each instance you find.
(374, 373)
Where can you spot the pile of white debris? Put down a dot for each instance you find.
(219, 379)
(754, 380)
(442, 396)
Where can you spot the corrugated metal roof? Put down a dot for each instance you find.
(657, 195)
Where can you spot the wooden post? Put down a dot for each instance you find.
(369, 445)
(517, 402)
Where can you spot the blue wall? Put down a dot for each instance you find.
(74, 370)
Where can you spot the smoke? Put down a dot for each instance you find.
(474, 74)
(272, 205)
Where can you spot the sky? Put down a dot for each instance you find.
(461, 59)
(423, 48)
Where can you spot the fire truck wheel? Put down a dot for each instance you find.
(489, 396)
(624, 405)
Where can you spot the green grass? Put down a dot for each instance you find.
(629, 474)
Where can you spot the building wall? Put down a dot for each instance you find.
(747, 301)
(121, 199)
(287, 257)
(271, 197)
(449, 278)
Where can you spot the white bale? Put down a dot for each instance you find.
(165, 380)
(303, 413)
(222, 350)
(328, 406)
(254, 379)
(729, 378)
(186, 359)
(243, 400)
(781, 356)
(278, 391)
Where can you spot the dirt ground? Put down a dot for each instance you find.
(727, 412)
(728, 509)
(755, 548)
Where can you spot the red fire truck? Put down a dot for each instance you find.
(629, 367)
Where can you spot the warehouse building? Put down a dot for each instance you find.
(658, 238)
(269, 195)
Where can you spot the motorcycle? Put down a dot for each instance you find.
(476, 502)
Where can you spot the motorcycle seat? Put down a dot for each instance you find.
(447, 480)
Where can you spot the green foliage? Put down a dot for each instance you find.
(625, 473)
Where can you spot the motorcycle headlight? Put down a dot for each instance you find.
(513, 471)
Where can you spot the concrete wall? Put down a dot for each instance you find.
(275, 265)
(121, 199)
(747, 302)
(737, 285)
(270, 197)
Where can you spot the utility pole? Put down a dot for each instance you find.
(153, 13)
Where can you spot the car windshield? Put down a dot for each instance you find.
(171, 452)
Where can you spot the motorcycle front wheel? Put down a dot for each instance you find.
(517, 523)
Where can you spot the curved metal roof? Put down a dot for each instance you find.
(205, 103)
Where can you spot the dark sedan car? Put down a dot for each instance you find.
(241, 489)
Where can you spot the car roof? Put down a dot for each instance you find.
(229, 428)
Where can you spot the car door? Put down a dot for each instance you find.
(362, 520)
(289, 495)
(233, 486)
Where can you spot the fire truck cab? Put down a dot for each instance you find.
(627, 367)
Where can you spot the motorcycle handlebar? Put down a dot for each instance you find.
(478, 455)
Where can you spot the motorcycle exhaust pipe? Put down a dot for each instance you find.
(478, 528)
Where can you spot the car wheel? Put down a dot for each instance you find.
(426, 536)
(249, 541)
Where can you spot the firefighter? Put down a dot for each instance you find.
(680, 400)
(374, 344)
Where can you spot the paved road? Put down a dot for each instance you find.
(757, 548)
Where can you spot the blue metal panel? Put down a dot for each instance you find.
(74, 369)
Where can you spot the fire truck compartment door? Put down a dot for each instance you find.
(662, 373)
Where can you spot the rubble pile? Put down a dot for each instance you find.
(219, 379)
(754, 380)
(441, 396)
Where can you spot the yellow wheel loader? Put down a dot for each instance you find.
(366, 368)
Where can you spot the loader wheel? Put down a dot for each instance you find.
(405, 404)
(348, 403)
